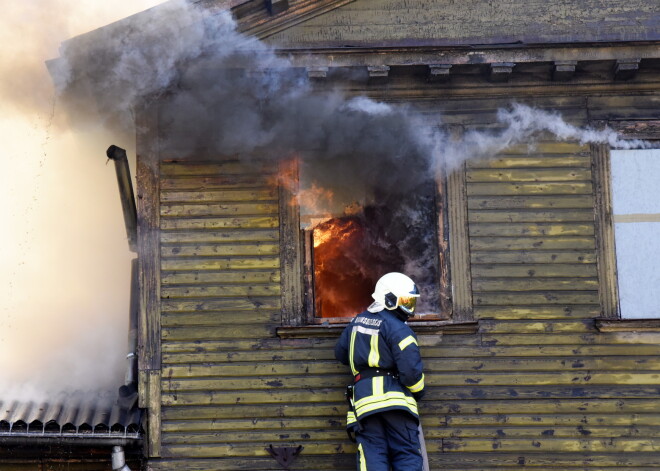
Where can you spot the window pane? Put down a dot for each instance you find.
(636, 213)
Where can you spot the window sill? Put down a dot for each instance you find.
(628, 325)
(419, 327)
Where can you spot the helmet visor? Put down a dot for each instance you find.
(408, 303)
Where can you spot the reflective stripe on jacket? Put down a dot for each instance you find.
(381, 340)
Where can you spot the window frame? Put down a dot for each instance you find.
(455, 283)
(610, 319)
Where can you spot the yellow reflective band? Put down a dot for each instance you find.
(363, 460)
(390, 399)
(350, 417)
(377, 385)
(418, 386)
(374, 354)
(407, 341)
(351, 351)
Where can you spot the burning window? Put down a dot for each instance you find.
(353, 234)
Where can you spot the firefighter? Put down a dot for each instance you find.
(383, 354)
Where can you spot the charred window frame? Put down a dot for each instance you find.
(610, 319)
(454, 298)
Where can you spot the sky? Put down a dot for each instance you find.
(64, 258)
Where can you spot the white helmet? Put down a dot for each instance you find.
(396, 290)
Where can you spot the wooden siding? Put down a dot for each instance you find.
(538, 386)
(428, 22)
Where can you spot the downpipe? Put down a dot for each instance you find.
(119, 459)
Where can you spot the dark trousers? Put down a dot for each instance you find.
(389, 441)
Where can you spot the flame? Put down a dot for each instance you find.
(314, 199)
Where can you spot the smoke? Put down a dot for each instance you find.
(64, 260)
(221, 94)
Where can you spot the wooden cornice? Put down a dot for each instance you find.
(261, 24)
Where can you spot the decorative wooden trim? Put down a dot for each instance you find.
(290, 246)
(420, 328)
(264, 25)
(149, 325)
(628, 325)
(442, 232)
(638, 129)
(605, 248)
(459, 246)
(148, 207)
(153, 448)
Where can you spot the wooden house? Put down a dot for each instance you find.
(529, 363)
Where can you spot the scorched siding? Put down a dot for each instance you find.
(229, 387)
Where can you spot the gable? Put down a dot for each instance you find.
(474, 22)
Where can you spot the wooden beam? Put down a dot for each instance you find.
(626, 69)
(500, 71)
(277, 6)
(439, 72)
(563, 70)
(605, 250)
(317, 73)
(459, 246)
(378, 74)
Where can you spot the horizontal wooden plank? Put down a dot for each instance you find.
(334, 461)
(227, 167)
(537, 284)
(511, 189)
(551, 269)
(494, 202)
(530, 326)
(213, 223)
(578, 160)
(538, 461)
(216, 264)
(267, 396)
(273, 368)
(536, 433)
(275, 345)
(311, 355)
(297, 423)
(256, 449)
(524, 392)
(631, 339)
(551, 378)
(546, 147)
(218, 182)
(511, 229)
(549, 215)
(243, 277)
(219, 196)
(218, 209)
(530, 298)
(219, 250)
(220, 318)
(556, 445)
(550, 363)
(578, 407)
(551, 420)
(214, 332)
(532, 243)
(255, 411)
(516, 258)
(220, 236)
(527, 175)
(303, 437)
(272, 383)
(558, 348)
(219, 291)
(536, 312)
